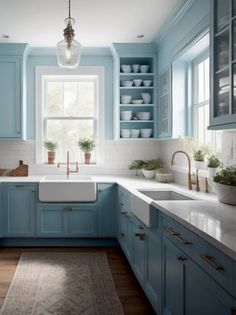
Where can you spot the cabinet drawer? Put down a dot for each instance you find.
(124, 199)
(213, 261)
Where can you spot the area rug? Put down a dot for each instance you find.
(62, 284)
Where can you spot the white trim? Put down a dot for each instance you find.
(97, 71)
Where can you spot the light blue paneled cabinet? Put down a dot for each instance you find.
(12, 90)
(67, 220)
(223, 65)
(1, 211)
(19, 210)
(188, 289)
(107, 210)
(130, 83)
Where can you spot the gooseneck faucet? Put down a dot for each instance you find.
(189, 166)
(68, 171)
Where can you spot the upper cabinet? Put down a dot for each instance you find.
(12, 90)
(135, 88)
(223, 65)
(164, 104)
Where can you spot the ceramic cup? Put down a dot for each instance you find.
(146, 97)
(135, 68)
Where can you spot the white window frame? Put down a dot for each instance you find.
(43, 75)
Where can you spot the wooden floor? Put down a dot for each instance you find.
(128, 289)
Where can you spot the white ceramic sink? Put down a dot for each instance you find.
(164, 195)
(57, 188)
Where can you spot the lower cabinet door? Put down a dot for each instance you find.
(139, 251)
(19, 210)
(51, 220)
(82, 221)
(125, 233)
(188, 290)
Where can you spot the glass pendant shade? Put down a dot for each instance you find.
(68, 53)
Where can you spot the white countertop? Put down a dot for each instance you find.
(213, 221)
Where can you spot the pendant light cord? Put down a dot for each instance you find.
(69, 9)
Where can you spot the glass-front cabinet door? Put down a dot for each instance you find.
(164, 109)
(223, 64)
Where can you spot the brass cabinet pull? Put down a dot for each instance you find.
(209, 260)
(124, 212)
(182, 258)
(141, 236)
(67, 209)
(177, 236)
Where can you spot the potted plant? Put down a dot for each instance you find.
(87, 145)
(199, 155)
(51, 147)
(225, 185)
(213, 162)
(136, 165)
(149, 168)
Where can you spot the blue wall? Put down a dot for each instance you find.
(180, 30)
(92, 57)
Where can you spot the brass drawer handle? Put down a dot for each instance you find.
(177, 236)
(125, 214)
(209, 260)
(141, 236)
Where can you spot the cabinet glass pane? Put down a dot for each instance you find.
(234, 90)
(221, 14)
(222, 94)
(234, 7)
(234, 40)
(222, 50)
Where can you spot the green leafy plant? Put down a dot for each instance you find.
(136, 165)
(86, 144)
(51, 146)
(198, 150)
(226, 176)
(213, 161)
(200, 153)
(151, 165)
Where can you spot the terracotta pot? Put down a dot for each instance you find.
(51, 157)
(87, 157)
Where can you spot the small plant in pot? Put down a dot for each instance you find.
(51, 147)
(199, 155)
(87, 145)
(149, 168)
(213, 162)
(136, 165)
(225, 185)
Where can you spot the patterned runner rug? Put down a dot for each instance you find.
(62, 284)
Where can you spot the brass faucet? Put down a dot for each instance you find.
(68, 171)
(189, 166)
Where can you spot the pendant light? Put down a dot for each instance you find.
(68, 50)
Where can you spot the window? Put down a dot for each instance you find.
(201, 92)
(69, 107)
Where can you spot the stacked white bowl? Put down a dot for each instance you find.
(135, 133)
(146, 133)
(147, 83)
(126, 115)
(126, 83)
(144, 68)
(138, 82)
(143, 115)
(125, 133)
(125, 99)
(126, 68)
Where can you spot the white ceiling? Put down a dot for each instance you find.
(99, 22)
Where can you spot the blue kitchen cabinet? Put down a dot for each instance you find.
(82, 220)
(188, 289)
(51, 220)
(66, 220)
(223, 68)
(19, 210)
(107, 210)
(12, 90)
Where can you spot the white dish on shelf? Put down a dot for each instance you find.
(126, 83)
(135, 68)
(137, 101)
(146, 133)
(126, 115)
(147, 83)
(144, 68)
(137, 82)
(135, 133)
(125, 99)
(143, 115)
(126, 68)
(125, 133)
